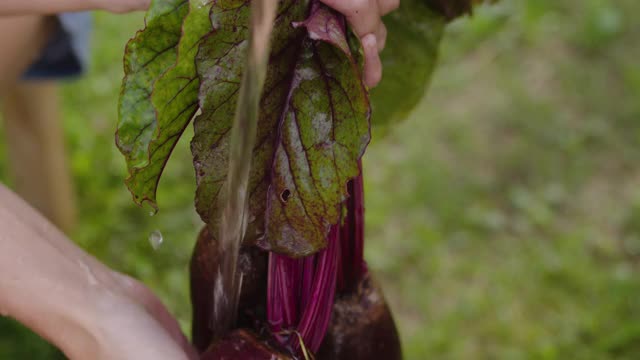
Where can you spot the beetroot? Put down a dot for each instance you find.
(243, 344)
(325, 304)
(361, 327)
(252, 265)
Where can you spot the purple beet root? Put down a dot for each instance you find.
(252, 263)
(361, 327)
(243, 344)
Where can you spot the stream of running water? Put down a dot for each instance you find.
(242, 141)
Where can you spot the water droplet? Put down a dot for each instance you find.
(150, 208)
(4, 313)
(155, 239)
(91, 278)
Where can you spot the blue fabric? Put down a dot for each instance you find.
(67, 52)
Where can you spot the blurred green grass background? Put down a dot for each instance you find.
(503, 215)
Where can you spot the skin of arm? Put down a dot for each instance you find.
(50, 7)
(71, 299)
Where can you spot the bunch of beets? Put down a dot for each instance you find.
(305, 289)
(326, 304)
(323, 306)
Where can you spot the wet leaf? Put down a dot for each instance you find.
(147, 56)
(174, 99)
(220, 66)
(314, 123)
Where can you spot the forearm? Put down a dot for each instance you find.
(49, 7)
(45, 7)
(68, 297)
(45, 282)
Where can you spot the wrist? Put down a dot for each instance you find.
(75, 336)
(78, 321)
(65, 320)
(91, 332)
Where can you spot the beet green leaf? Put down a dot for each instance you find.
(147, 56)
(313, 126)
(172, 97)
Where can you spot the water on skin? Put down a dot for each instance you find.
(156, 239)
(91, 278)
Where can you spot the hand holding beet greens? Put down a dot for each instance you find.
(278, 269)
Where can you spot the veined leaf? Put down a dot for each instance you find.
(409, 59)
(220, 66)
(147, 56)
(314, 123)
(175, 100)
(324, 131)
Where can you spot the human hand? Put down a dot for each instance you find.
(365, 17)
(73, 300)
(134, 324)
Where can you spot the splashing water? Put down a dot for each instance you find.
(156, 239)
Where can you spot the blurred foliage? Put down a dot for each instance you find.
(503, 215)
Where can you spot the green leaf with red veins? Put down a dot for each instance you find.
(147, 56)
(314, 123)
(175, 100)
